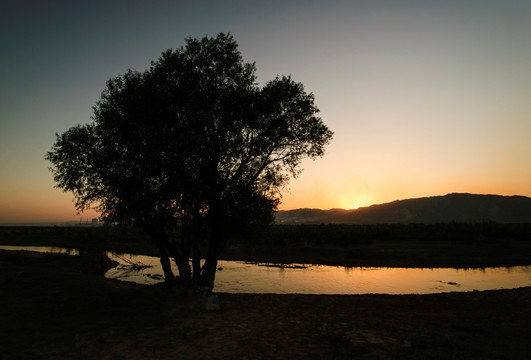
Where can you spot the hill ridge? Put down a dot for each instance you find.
(452, 207)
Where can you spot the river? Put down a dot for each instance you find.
(246, 277)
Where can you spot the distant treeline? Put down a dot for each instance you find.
(345, 235)
(83, 237)
(280, 235)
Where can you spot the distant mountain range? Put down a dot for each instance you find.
(454, 207)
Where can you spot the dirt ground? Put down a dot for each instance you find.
(55, 307)
(489, 325)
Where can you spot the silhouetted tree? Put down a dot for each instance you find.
(192, 142)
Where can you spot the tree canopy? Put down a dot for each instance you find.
(192, 142)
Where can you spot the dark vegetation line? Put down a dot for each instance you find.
(347, 235)
(396, 245)
(281, 235)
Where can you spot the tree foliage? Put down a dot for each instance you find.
(192, 142)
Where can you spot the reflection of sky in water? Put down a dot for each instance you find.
(244, 277)
(42, 249)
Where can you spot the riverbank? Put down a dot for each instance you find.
(60, 307)
(415, 245)
(410, 254)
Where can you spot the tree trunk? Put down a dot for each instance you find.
(185, 273)
(208, 275)
(216, 231)
(215, 245)
(169, 278)
(158, 233)
(196, 259)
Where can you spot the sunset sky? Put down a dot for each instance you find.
(424, 97)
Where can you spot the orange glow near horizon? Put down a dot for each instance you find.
(62, 209)
(323, 184)
(316, 188)
(31, 208)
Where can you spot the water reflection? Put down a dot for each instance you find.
(41, 249)
(246, 277)
(141, 269)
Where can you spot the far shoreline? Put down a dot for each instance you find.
(349, 246)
